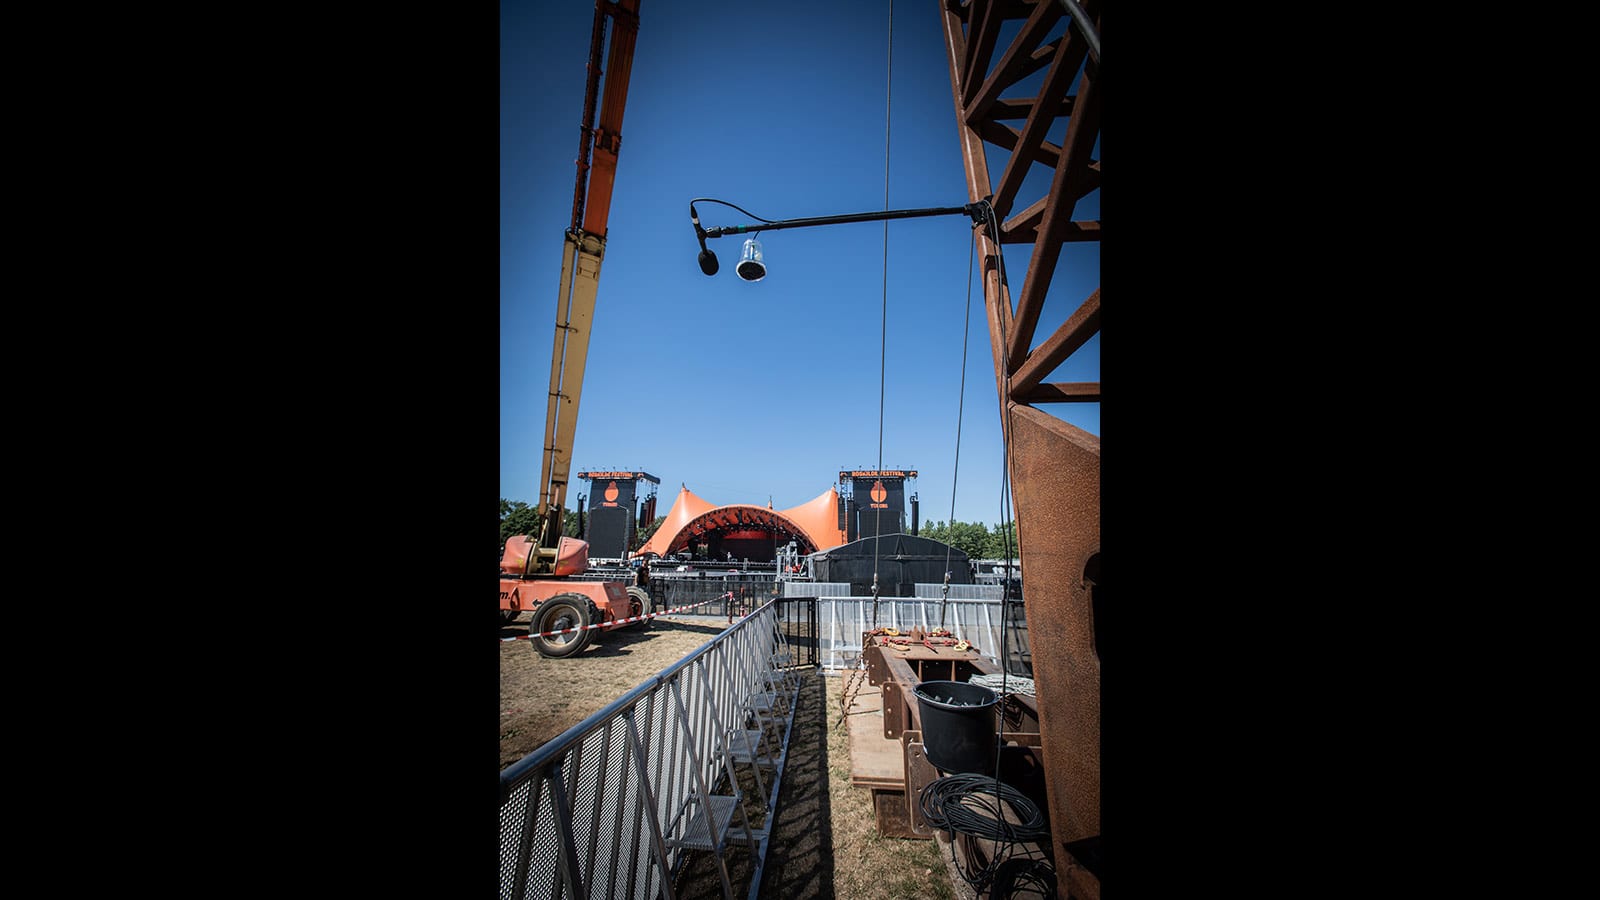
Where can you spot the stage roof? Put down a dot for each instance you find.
(814, 525)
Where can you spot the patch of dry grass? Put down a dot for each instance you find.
(866, 863)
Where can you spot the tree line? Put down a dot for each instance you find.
(975, 538)
(517, 517)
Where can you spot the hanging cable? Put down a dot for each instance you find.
(883, 338)
(961, 399)
(726, 203)
(1005, 477)
(1006, 524)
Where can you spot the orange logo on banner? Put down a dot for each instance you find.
(879, 495)
(611, 494)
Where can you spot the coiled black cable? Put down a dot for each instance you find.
(971, 804)
(1025, 877)
(968, 804)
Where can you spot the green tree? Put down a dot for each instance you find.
(646, 532)
(998, 546)
(517, 517)
(971, 538)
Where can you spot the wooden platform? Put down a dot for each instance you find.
(887, 755)
(875, 761)
(880, 764)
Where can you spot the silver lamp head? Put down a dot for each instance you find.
(752, 267)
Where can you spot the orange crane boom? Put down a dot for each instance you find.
(584, 248)
(537, 574)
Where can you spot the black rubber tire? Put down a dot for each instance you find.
(509, 616)
(562, 611)
(643, 597)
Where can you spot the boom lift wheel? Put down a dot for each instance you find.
(641, 597)
(509, 616)
(562, 611)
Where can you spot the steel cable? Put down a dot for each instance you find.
(883, 338)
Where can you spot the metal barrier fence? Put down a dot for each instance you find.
(615, 805)
(748, 590)
(842, 621)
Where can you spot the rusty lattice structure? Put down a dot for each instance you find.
(1054, 466)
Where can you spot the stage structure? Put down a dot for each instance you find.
(897, 562)
(700, 529)
(873, 501)
(612, 522)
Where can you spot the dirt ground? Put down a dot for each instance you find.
(825, 841)
(540, 698)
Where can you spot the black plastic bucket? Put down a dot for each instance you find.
(958, 726)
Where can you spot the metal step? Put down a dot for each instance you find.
(708, 832)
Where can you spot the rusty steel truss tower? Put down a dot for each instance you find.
(1054, 466)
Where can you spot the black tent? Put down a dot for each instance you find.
(902, 561)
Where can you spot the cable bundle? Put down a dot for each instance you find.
(971, 804)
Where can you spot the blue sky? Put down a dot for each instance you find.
(745, 392)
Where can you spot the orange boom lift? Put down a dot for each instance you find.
(538, 573)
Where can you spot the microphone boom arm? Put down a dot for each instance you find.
(978, 211)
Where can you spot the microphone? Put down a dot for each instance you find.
(708, 260)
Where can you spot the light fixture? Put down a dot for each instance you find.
(752, 267)
(752, 263)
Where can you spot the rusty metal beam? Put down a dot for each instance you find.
(1010, 69)
(1023, 107)
(982, 36)
(1062, 392)
(1077, 882)
(1083, 324)
(1055, 475)
(1054, 466)
(1006, 138)
(996, 294)
(1040, 57)
(1082, 129)
(1030, 141)
(1015, 231)
(1022, 228)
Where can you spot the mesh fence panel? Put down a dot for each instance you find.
(607, 805)
(513, 828)
(586, 801)
(842, 621)
(543, 870)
